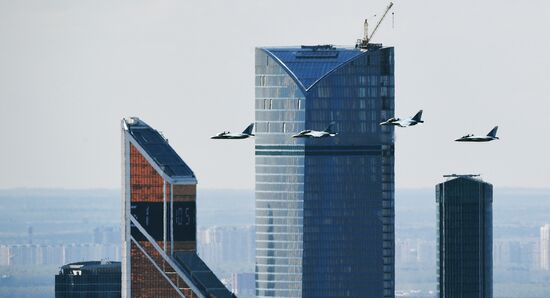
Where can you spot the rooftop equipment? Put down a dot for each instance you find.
(364, 42)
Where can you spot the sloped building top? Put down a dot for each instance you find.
(309, 64)
(157, 148)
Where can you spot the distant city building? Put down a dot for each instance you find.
(29, 234)
(4, 255)
(24, 254)
(426, 253)
(59, 254)
(220, 244)
(414, 254)
(88, 279)
(77, 252)
(545, 247)
(406, 252)
(159, 257)
(324, 206)
(243, 284)
(465, 237)
(519, 254)
(106, 235)
(46, 254)
(514, 254)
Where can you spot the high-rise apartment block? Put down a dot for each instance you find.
(465, 237)
(324, 206)
(57, 255)
(159, 256)
(545, 247)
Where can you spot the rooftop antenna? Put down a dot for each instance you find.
(364, 42)
(461, 175)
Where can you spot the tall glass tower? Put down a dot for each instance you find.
(159, 247)
(465, 237)
(324, 207)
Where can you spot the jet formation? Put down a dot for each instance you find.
(329, 132)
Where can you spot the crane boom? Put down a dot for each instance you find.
(379, 22)
(363, 43)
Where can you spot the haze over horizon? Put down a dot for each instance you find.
(71, 70)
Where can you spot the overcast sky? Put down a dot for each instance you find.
(70, 70)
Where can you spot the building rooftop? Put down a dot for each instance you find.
(473, 177)
(308, 64)
(157, 148)
(90, 267)
(463, 178)
(201, 275)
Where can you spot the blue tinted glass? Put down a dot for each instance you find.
(309, 65)
(324, 207)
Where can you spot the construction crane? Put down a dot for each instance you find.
(363, 43)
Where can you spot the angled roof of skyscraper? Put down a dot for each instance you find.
(158, 149)
(309, 64)
(159, 221)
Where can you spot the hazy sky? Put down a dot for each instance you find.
(70, 70)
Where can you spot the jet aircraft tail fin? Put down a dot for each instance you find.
(493, 132)
(248, 130)
(330, 128)
(418, 117)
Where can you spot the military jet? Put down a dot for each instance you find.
(491, 136)
(228, 135)
(329, 132)
(405, 122)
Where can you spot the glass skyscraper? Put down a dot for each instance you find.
(159, 247)
(324, 207)
(465, 237)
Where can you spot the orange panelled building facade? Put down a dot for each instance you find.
(159, 256)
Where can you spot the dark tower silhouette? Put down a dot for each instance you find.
(94, 279)
(465, 237)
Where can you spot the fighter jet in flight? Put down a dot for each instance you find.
(491, 136)
(405, 122)
(228, 135)
(329, 132)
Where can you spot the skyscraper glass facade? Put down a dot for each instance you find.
(159, 256)
(465, 238)
(324, 207)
